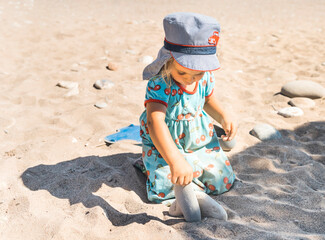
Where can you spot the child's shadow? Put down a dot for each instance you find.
(78, 179)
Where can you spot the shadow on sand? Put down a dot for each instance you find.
(281, 187)
(77, 180)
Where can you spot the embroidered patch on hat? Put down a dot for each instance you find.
(214, 38)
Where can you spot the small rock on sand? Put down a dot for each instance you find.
(146, 59)
(265, 131)
(67, 84)
(290, 112)
(101, 105)
(112, 66)
(72, 92)
(103, 84)
(301, 102)
(75, 67)
(72, 86)
(303, 88)
(130, 51)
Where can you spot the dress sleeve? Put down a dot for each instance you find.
(157, 91)
(209, 85)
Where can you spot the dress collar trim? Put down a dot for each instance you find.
(184, 90)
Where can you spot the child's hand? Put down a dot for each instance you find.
(230, 129)
(182, 172)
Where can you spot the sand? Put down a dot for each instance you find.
(58, 179)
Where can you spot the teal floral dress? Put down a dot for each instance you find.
(193, 134)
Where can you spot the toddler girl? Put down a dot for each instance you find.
(181, 151)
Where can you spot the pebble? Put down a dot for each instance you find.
(112, 66)
(72, 86)
(101, 105)
(290, 112)
(303, 88)
(146, 59)
(72, 92)
(301, 102)
(103, 84)
(130, 51)
(227, 145)
(265, 131)
(75, 67)
(67, 84)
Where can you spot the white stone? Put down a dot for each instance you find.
(103, 84)
(301, 102)
(291, 112)
(68, 84)
(265, 131)
(72, 86)
(303, 88)
(74, 67)
(101, 105)
(72, 92)
(146, 59)
(130, 51)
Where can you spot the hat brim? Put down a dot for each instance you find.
(197, 62)
(193, 62)
(153, 68)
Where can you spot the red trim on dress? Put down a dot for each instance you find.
(210, 93)
(192, 69)
(187, 91)
(211, 45)
(155, 100)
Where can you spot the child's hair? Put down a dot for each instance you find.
(165, 71)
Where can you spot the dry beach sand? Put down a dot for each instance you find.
(58, 180)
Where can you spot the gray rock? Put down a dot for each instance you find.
(227, 145)
(303, 88)
(291, 112)
(103, 84)
(265, 131)
(301, 102)
(101, 105)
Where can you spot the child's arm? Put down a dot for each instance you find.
(214, 109)
(181, 170)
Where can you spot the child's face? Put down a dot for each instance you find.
(183, 75)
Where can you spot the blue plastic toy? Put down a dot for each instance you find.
(131, 132)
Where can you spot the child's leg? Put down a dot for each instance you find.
(187, 199)
(209, 207)
(186, 204)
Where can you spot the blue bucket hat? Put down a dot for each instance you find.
(191, 39)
